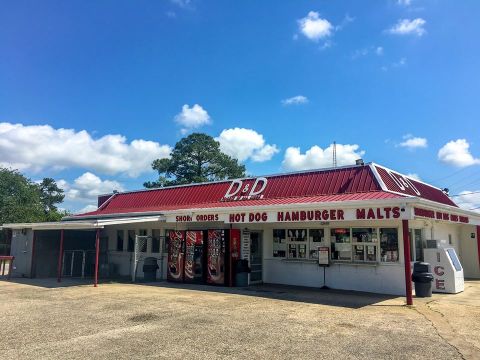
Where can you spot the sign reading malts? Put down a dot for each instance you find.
(439, 215)
(245, 189)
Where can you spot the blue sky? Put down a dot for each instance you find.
(371, 75)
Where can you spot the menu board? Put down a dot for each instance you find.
(246, 245)
(175, 261)
(323, 255)
(216, 257)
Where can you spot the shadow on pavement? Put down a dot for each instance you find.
(330, 297)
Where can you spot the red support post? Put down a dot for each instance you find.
(32, 264)
(478, 243)
(406, 260)
(60, 257)
(97, 255)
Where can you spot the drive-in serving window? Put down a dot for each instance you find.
(341, 244)
(279, 243)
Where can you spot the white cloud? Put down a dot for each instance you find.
(295, 100)
(316, 157)
(192, 117)
(469, 200)
(414, 176)
(404, 2)
(457, 153)
(400, 63)
(409, 27)
(186, 4)
(39, 147)
(244, 144)
(86, 209)
(379, 51)
(87, 187)
(412, 142)
(314, 27)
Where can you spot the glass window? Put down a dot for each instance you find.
(131, 240)
(416, 245)
(341, 246)
(155, 241)
(316, 238)
(361, 237)
(120, 237)
(143, 241)
(279, 243)
(389, 245)
(297, 243)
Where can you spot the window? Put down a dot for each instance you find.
(364, 242)
(341, 246)
(143, 242)
(389, 245)
(297, 243)
(155, 241)
(131, 240)
(279, 243)
(120, 238)
(316, 238)
(416, 245)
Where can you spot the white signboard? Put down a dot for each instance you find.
(245, 249)
(323, 255)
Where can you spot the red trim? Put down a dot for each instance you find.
(478, 243)
(60, 257)
(97, 254)
(34, 238)
(406, 260)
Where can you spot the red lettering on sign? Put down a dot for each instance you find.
(340, 215)
(370, 214)
(325, 215)
(439, 270)
(333, 215)
(361, 214)
(440, 284)
(396, 212)
(379, 214)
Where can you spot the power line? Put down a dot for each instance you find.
(460, 182)
(467, 193)
(452, 174)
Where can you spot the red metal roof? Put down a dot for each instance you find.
(373, 195)
(406, 185)
(339, 184)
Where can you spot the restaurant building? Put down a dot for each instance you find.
(367, 222)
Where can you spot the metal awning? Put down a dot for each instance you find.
(84, 224)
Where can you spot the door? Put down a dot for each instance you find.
(256, 258)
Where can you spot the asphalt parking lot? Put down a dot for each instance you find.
(41, 320)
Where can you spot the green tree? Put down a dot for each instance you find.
(50, 194)
(21, 200)
(195, 158)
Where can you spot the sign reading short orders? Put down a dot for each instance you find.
(323, 255)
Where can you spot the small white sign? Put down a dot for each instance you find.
(323, 255)
(245, 245)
